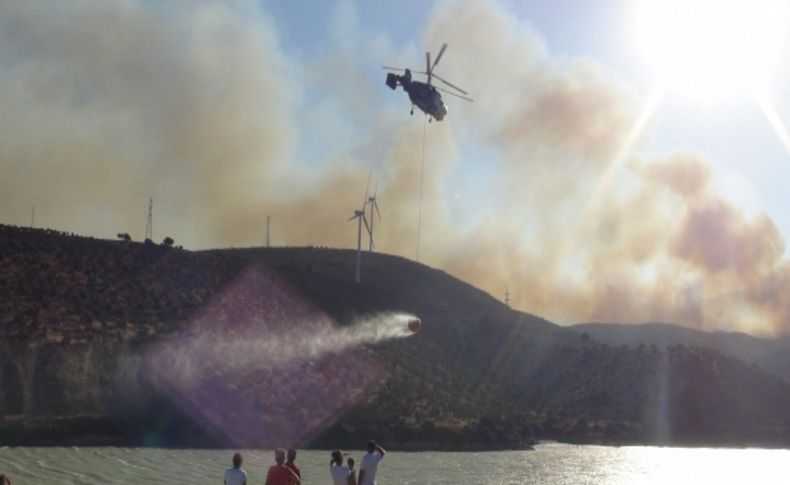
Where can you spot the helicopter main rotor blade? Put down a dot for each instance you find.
(428, 65)
(441, 51)
(450, 84)
(454, 94)
(389, 68)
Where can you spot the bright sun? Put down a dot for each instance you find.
(711, 46)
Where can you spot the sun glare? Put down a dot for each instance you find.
(708, 47)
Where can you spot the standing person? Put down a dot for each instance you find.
(370, 463)
(352, 475)
(279, 474)
(338, 471)
(233, 476)
(290, 463)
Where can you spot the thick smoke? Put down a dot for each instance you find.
(198, 105)
(115, 101)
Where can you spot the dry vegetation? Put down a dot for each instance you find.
(82, 319)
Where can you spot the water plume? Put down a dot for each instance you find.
(260, 366)
(192, 361)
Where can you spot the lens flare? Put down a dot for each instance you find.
(710, 47)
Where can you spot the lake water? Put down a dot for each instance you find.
(551, 464)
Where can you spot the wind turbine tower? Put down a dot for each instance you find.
(360, 216)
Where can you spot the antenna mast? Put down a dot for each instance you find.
(149, 228)
(268, 239)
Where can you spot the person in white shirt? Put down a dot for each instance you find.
(370, 463)
(236, 475)
(340, 472)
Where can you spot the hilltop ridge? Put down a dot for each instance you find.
(771, 354)
(85, 323)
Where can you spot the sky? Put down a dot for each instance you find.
(593, 177)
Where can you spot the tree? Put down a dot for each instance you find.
(168, 241)
(124, 236)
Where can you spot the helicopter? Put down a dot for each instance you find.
(425, 96)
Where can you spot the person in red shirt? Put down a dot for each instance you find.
(279, 474)
(290, 463)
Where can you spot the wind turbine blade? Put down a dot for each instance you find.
(353, 217)
(365, 220)
(390, 68)
(376, 206)
(365, 200)
(441, 51)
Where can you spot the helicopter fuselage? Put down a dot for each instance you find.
(422, 95)
(427, 98)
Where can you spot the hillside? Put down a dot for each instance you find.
(772, 354)
(110, 342)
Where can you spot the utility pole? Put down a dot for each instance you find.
(268, 239)
(33, 217)
(149, 228)
(507, 297)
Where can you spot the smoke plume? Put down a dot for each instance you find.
(199, 105)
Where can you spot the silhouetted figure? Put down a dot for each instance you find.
(339, 472)
(235, 475)
(352, 474)
(279, 474)
(370, 463)
(4, 480)
(290, 463)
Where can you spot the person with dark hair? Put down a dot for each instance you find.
(339, 472)
(290, 463)
(279, 474)
(370, 463)
(352, 474)
(233, 476)
(4, 480)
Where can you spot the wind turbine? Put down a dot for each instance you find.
(360, 216)
(373, 205)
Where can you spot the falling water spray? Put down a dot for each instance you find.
(191, 361)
